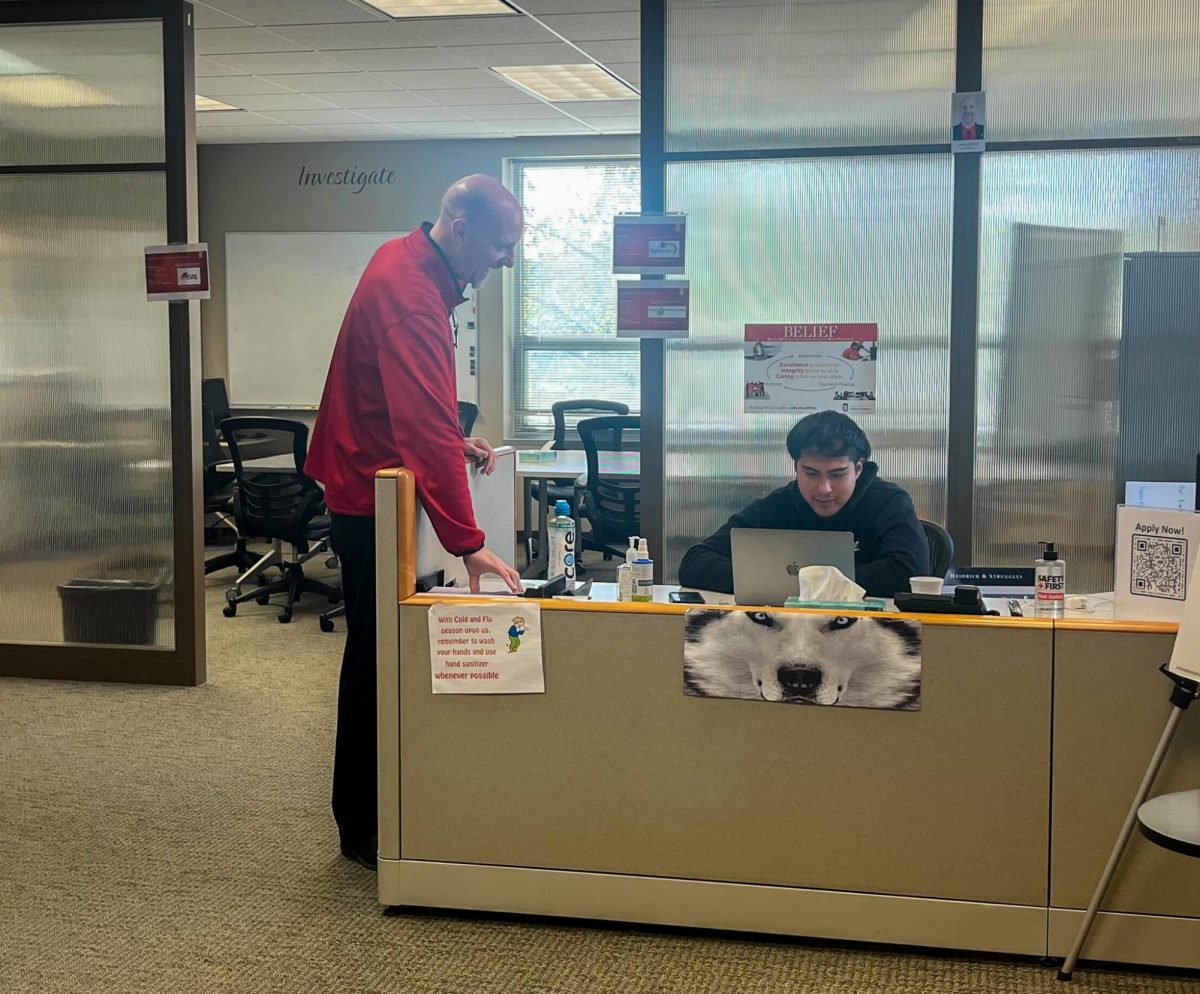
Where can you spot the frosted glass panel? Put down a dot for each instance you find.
(1054, 228)
(814, 240)
(1090, 68)
(85, 471)
(76, 93)
(789, 73)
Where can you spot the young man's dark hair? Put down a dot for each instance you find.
(836, 488)
(828, 433)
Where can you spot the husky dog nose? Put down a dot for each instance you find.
(799, 681)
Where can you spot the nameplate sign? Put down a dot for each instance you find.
(177, 272)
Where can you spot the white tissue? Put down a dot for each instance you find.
(828, 583)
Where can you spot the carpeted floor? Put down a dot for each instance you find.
(155, 841)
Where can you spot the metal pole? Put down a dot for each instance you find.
(1156, 762)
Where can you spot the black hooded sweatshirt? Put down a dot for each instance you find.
(890, 544)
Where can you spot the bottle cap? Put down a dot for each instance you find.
(562, 507)
(643, 552)
(1050, 555)
(631, 552)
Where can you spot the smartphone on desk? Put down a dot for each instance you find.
(684, 597)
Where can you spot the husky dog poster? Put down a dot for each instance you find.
(830, 660)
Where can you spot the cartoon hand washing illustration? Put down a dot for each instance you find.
(515, 631)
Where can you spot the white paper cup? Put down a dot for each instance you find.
(925, 584)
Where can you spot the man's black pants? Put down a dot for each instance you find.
(355, 808)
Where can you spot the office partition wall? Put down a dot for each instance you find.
(99, 536)
(810, 144)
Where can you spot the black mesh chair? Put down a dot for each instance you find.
(611, 505)
(941, 548)
(218, 498)
(276, 501)
(467, 413)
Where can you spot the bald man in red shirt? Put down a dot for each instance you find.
(390, 399)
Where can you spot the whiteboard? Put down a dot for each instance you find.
(285, 296)
(494, 500)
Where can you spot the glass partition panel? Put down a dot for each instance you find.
(808, 240)
(1057, 69)
(85, 456)
(746, 74)
(1054, 228)
(81, 93)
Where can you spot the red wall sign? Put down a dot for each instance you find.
(652, 308)
(177, 272)
(653, 244)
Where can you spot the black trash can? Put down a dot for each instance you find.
(112, 612)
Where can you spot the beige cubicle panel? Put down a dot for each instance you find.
(1110, 706)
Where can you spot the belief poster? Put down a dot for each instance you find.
(811, 367)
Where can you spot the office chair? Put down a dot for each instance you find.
(216, 399)
(467, 413)
(563, 439)
(218, 498)
(284, 506)
(941, 548)
(612, 505)
(326, 620)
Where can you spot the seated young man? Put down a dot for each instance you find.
(836, 488)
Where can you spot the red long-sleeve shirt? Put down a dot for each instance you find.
(390, 396)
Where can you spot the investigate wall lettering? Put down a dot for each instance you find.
(355, 178)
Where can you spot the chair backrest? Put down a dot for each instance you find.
(583, 408)
(214, 480)
(272, 503)
(941, 548)
(467, 413)
(614, 503)
(214, 394)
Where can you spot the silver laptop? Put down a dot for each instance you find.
(766, 560)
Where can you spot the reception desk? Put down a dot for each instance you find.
(979, 822)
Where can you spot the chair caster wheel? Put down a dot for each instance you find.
(263, 599)
(335, 599)
(229, 610)
(285, 618)
(326, 624)
(231, 595)
(332, 562)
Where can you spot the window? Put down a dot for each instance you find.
(564, 305)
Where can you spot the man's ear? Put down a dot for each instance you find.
(459, 227)
(858, 468)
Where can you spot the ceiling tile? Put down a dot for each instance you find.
(589, 110)
(553, 54)
(334, 37)
(274, 63)
(366, 130)
(207, 67)
(595, 27)
(563, 126)
(231, 119)
(297, 11)
(503, 30)
(434, 79)
(467, 129)
(331, 82)
(533, 111)
(613, 51)
(379, 98)
(404, 115)
(403, 59)
(331, 115)
(501, 93)
(209, 17)
(273, 133)
(631, 72)
(233, 41)
(540, 7)
(223, 86)
(279, 101)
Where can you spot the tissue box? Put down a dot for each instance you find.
(537, 455)
(866, 604)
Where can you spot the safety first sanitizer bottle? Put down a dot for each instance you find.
(562, 544)
(1050, 575)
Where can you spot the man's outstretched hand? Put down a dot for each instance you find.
(486, 561)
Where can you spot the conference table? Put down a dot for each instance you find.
(565, 466)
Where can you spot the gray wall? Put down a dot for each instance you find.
(256, 188)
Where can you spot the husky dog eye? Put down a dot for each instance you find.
(762, 618)
(841, 622)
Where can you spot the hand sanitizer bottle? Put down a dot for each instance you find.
(643, 574)
(562, 544)
(1050, 573)
(625, 572)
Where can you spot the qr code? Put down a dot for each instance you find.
(1159, 568)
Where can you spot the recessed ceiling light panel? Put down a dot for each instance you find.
(561, 84)
(208, 103)
(47, 91)
(439, 8)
